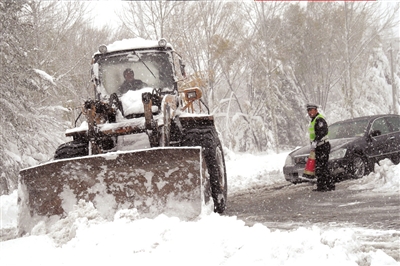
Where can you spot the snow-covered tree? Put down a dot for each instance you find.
(257, 64)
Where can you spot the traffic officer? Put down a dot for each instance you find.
(318, 130)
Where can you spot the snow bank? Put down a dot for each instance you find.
(385, 179)
(9, 210)
(247, 171)
(85, 239)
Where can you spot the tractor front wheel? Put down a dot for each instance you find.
(208, 139)
(72, 149)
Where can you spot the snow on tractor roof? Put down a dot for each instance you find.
(133, 43)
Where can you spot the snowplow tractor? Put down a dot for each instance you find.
(145, 141)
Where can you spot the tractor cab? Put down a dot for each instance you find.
(155, 65)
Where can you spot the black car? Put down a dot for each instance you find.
(356, 145)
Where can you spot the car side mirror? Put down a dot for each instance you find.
(375, 133)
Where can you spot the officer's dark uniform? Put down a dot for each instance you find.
(319, 135)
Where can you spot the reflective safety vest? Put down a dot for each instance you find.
(311, 128)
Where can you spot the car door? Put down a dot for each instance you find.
(379, 144)
(394, 137)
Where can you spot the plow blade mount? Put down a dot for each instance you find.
(173, 181)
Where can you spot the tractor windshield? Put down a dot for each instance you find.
(154, 69)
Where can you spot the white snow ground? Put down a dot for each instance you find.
(83, 238)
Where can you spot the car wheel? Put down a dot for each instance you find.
(359, 167)
(396, 158)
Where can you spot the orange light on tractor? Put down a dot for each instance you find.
(191, 95)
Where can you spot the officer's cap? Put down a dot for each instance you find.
(311, 106)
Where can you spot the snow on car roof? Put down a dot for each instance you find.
(133, 43)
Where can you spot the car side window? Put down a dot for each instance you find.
(394, 123)
(379, 127)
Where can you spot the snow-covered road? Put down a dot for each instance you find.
(374, 216)
(83, 237)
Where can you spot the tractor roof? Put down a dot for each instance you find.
(132, 44)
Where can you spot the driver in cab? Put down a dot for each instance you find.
(130, 82)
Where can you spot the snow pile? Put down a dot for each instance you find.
(83, 216)
(9, 210)
(258, 170)
(211, 240)
(385, 178)
(132, 101)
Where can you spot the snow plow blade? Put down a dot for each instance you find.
(173, 181)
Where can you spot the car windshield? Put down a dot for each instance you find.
(348, 129)
(152, 68)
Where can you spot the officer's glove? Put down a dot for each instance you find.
(313, 145)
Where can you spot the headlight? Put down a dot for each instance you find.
(162, 43)
(103, 49)
(289, 161)
(340, 153)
